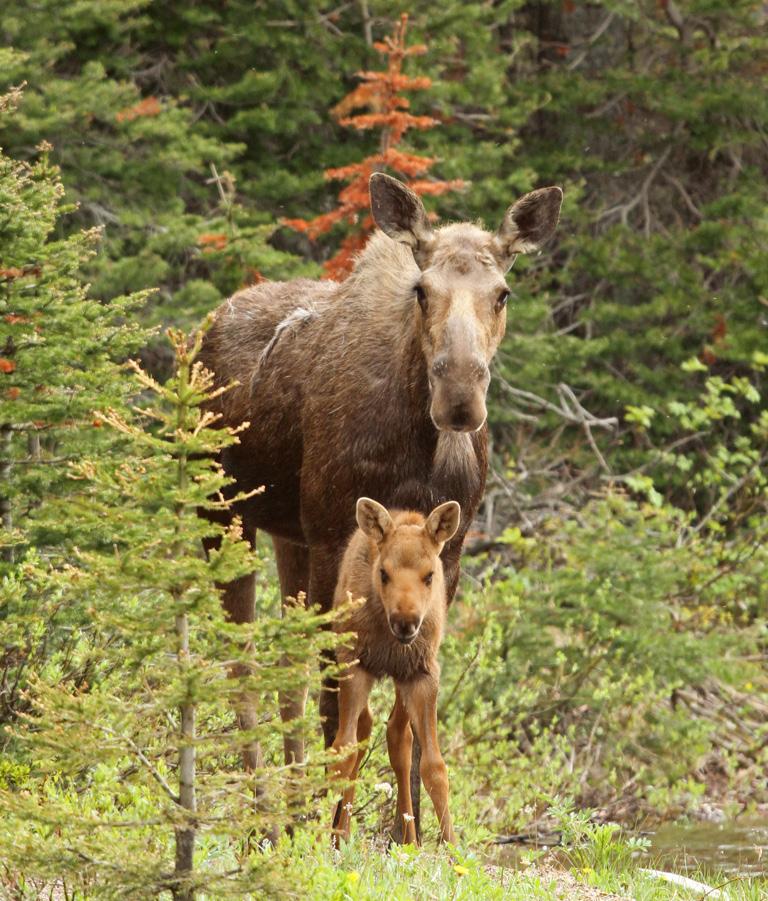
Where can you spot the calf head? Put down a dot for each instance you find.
(406, 567)
(461, 290)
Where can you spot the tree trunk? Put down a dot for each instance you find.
(6, 435)
(185, 835)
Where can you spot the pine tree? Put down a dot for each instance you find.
(147, 751)
(109, 90)
(380, 93)
(58, 363)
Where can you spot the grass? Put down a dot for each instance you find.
(599, 865)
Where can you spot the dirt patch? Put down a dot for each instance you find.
(568, 887)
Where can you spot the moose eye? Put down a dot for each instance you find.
(501, 300)
(384, 576)
(428, 578)
(421, 297)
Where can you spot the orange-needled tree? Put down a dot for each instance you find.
(379, 97)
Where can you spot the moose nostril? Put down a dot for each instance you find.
(460, 416)
(404, 630)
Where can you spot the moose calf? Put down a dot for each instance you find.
(393, 561)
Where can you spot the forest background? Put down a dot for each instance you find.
(608, 646)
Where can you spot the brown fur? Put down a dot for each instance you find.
(393, 562)
(361, 389)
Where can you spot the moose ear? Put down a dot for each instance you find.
(527, 224)
(399, 213)
(373, 519)
(443, 522)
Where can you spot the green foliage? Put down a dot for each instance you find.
(57, 363)
(599, 853)
(611, 647)
(58, 344)
(147, 749)
(125, 129)
(659, 256)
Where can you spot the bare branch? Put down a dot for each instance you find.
(684, 194)
(156, 775)
(597, 34)
(624, 209)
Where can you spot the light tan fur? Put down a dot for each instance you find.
(393, 562)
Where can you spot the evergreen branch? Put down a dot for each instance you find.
(146, 762)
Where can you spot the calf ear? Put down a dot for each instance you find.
(527, 224)
(443, 522)
(399, 213)
(373, 519)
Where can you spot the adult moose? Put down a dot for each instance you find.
(375, 386)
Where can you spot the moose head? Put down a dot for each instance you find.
(461, 290)
(406, 568)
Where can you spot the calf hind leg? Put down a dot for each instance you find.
(399, 744)
(420, 699)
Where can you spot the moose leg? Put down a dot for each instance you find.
(399, 743)
(421, 702)
(239, 603)
(354, 722)
(293, 570)
(238, 600)
(323, 571)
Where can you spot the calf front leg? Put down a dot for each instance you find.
(399, 743)
(364, 725)
(354, 725)
(420, 698)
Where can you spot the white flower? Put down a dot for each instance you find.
(348, 807)
(383, 787)
(408, 818)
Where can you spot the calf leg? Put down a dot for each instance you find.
(420, 698)
(364, 724)
(399, 743)
(354, 725)
(293, 570)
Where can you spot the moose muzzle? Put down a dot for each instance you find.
(459, 389)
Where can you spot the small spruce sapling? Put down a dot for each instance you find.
(137, 780)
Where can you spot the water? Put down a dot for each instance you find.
(734, 847)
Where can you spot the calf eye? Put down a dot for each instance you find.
(428, 578)
(421, 297)
(501, 300)
(384, 576)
